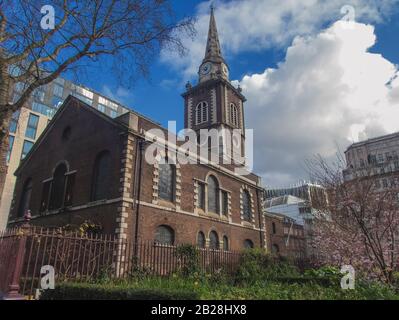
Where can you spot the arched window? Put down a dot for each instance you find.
(213, 240)
(165, 235)
(201, 240)
(167, 179)
(213, 195)
(66, 134)
(274, 228)
(58, 187)
(101, 176)
(275, 249)
(201, 113)
(25, 198)
(234, 115)
(248, 244)
(246, 205)
(225, 243)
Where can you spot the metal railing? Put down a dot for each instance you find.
(85, 257)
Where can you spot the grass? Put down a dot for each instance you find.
(260, 276)
(192, 288)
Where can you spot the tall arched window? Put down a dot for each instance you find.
(58, 187)
(248, 244)
(101, 176)
(201, 113)
(246, 203)
(234, 115)
(275, 249)
(167, 178)
(165, 235)
(213, 240)
(201, 240)
(225, 243)
(213, 195)
(274, 228)
(25, 198)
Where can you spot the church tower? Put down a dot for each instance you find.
(214, 103)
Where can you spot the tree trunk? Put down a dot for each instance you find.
(5, 118)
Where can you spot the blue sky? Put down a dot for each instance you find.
(255, 35)
(161, 100)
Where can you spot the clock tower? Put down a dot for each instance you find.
(214, 103)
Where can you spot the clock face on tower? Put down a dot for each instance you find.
(205, 68)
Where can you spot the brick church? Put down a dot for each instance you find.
(87, 166)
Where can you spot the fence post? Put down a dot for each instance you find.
(14, 288)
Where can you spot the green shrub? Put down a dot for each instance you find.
(258, 266)
(326, 271)
(189, 259)
(375, 291)
(85, 291)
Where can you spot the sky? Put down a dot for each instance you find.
(318, 75)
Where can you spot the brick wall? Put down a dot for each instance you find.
(89, 136)
(186, 227)
(91, 133)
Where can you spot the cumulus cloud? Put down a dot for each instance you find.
(328, 92)
(119, 94)
(248, 25)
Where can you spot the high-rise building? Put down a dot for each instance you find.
(29, 122)
(377, 158)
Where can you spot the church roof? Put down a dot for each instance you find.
(213, 51)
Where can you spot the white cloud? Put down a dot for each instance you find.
(329, 91)
(258, 24)
(121, 94)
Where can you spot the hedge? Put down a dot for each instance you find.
(84, 291)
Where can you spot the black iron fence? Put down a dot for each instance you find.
(74, 256)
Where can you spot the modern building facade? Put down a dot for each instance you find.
(89, 166)
(311, 192)
(29, 122)
(377, 158)
(293, 207)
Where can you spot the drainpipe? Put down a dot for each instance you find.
(260, 208)
(289, 233)
(141, 146)
(134, 189)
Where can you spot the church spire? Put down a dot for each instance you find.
(213, 66)
(213, 52)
